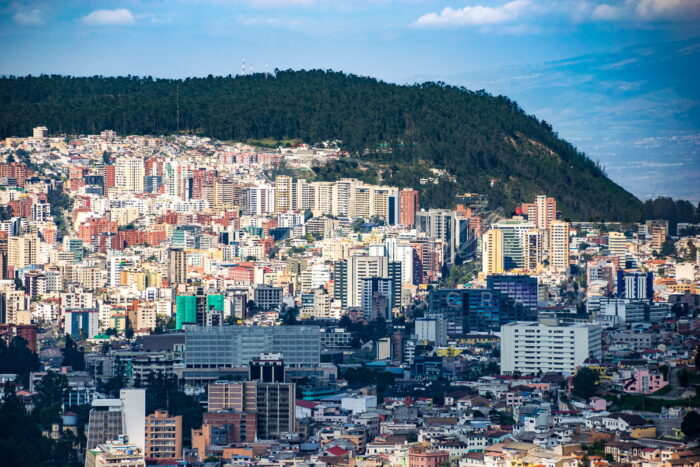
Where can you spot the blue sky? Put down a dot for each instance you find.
(618, 78)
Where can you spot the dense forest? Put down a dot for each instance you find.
(486, 142)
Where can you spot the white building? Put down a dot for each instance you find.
(548, 346)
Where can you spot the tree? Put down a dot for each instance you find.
(683, 378)
(585, 382)
(697, 359)
(18, 359)
(72, 355)
(439, 399)
(691, 424)
(51, 392)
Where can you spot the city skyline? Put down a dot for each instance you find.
(614, 78)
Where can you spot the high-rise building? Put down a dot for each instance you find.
(408, 207)
(492, 255)
(376, 297)
(129, 174)
(23, 251)
(273, 404)
(163, 438)
(558, 245)
(283, 193)
(450, 228)
(110, 418)
(548, 346)
(520, 288)
(542, 212)
(476, 310)
(348, 275)
(267, 368)
(617, 244)
(177, 266)
(514, 242)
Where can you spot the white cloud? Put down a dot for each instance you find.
(33, 17)
(120, 16)
(605, 12)
(648, 10)
(477, 15)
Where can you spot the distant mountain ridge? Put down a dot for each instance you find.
(486, 143)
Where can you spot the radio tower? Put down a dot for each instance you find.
(243, 67)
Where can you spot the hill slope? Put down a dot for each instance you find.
(488, 143)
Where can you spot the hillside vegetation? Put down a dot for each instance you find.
(487, 143)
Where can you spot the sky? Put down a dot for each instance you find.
(617, 78)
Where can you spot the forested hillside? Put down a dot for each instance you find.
(488, 143)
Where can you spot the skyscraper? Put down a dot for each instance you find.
(110, 418)
(163, 438)
(559, 245)
(177, 266)
(492, 255)
(408, 207)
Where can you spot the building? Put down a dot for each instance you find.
(23, 251)
(542, 212)
(129, 174)
(492, 254)
(231, 346)
(267, 297)
(418, 457)
(40, 132)
(273, 404)
(110, 418)
(558, 246)
(521, 288)
(515, 233)
(617, 244)
(432, 328)
(476, 310)
(408, 202)
(376, 298)
(163, 438)
(548, 346)
(177, 266)
(635, 285)
(447, 226)
(267, 368)
(115, 453)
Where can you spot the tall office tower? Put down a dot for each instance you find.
(23, 251)
(542, 212)
(522, 289)
(267, 368)
(40, 132)
(534, 249)
(129, 174)
(348, 276)
(283, 193)
(558, 245)
(275, 409)
(177, 266)
(617, 244)
(447, 226)
(110, 418)
(376, 298)
(492, 255)
(163, 438)
(225, 193)
(407, 256)
(273, 404)
(548, 346)
(408, 207)
(395, 274)
(476, 310)
(514, 235)
(635, 285)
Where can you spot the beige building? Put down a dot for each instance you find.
(492, 255)
(558, 245)
(163, 436)
(23, 251)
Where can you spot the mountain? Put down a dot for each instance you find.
(397, 134)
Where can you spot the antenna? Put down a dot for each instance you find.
(266, 71)
(243, 67)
